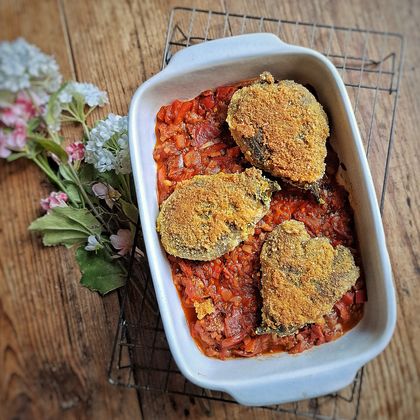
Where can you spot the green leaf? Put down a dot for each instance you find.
(16, 156)
(99, 272)
(66, 226)
(87, 173)
(110, 178)
(33, 124)
(68, 238)
(52, 147)
(83, 217)
(66, 173)
(72, 191)
(130, 210)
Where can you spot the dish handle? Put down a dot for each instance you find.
(275, 392)
(226, 48)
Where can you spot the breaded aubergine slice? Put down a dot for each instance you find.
(209, 215)
(281, 128)
(302, 278)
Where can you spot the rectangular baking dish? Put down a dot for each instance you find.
(280, 377)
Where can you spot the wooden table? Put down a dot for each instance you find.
(56, 336)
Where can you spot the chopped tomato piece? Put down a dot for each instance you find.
(167, 131)
(299, 347)
(212, 168)
(231, 341)
(217, 270)
(348, 298)
(182, 110)
(360, 296)
(214, 150)
(233, 323)
(207, 92)
(172, 111)
(180, 141)
(224, 93)
(193, 117)
(343, 309)
(185, 267)
(208, 102)
(233, 152)
(318, 334)
(161, 113)
(192, 158)
(174, 165)
(226, 294)
(204, 132)
(162, 185)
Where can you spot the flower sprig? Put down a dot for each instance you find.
(69, 105)
(24, 67)
(93, 209)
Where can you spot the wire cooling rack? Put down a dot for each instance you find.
(370, 64)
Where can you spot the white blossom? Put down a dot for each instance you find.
(93, 244)
(72, 98)
(107, 147)
(87, 92)
(122, 241)
(24, 67)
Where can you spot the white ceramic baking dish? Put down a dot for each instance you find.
(281, 377)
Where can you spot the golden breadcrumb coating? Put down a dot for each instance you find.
(209, 215)
(281, 128)
(302, 278)
(204, 308)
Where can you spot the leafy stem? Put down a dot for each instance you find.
(85, 196)
(42, 163)
(127, 216)
(78, 115)
(54, 135)
(85, 128)
(125, 183)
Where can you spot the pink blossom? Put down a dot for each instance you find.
(55, 199)
(12, 140)
(100, 190)
(122, 241)
(18, 113)
(11, 116)
(17, 137)
(14, 119)
(106, 192)
(28, 108)
(76, 151)
(4, 151)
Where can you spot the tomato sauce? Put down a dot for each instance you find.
(193, 138)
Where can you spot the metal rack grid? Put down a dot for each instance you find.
(370, 63)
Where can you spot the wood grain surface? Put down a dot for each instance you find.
(55, 336)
